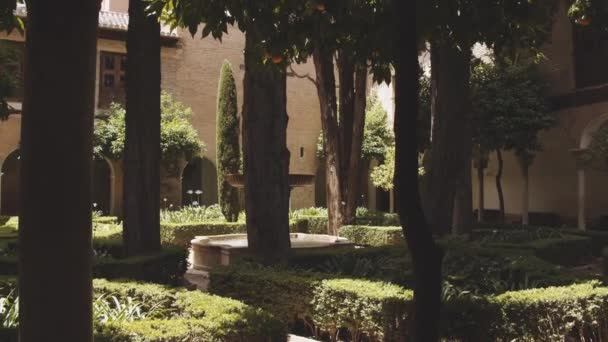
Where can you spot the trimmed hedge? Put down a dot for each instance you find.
(166, 267)
(379, 311)
(287, 294)
(317, 224)
(373, 236)
(578, 312)
(183, 316)
(106, 220)
(180, 234)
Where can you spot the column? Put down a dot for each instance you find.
(580, 196)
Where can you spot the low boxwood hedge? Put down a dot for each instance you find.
(374, 309)
(180, 234)
(373, 235)
(379, 310)
(166, 267)
(183, 316)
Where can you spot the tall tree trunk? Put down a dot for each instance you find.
(55, 259)
(501, 196)
(426, 256)
(326, 90)
(142, 157)
(351, 175)
(481, 187)
(266, 157)
(463, 203)
(450, 150)
(525, 201)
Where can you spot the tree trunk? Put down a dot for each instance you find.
(450, 150)
(326, 90)
(426, 256)
(266, 157)
(501, 196)
(351, 175)
(55, 258)
(141, 233)
(481, 188)
(463, 203)
(525, 201)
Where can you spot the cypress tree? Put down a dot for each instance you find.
(227, 142)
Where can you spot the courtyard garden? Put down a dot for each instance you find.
(501, 282)
(252, 268)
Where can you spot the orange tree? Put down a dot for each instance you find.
(452, 28)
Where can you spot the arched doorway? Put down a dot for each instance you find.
(10, 185)
(101, 186)
(199, 175)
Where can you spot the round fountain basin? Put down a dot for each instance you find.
(209, 251)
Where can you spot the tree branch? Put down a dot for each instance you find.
(306, 76)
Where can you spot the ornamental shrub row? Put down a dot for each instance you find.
(165, 267)
(373, 235)
(379, 310)
(182, 316)
(181, 234)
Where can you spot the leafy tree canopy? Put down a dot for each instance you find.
(178, 137)
(499, 24)
(510, 107)
(9, 79)
(289, 29)
(590, 13)
(8, 20)
(377, 135)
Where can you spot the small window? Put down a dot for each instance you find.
(301, 152)
(109, 63)
(112, 78)
(108, 80)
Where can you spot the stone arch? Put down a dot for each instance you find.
(585, 140)
(9, 187)
(593, 125)
(102, 186)
(199, 174)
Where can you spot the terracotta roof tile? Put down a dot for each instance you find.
(111, 21)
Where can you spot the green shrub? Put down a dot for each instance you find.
(373, 236)
(105, 220)
(181, 234)
(148, 294)
(377, 310)
(315, 224)
(599, 239)
(191, 213)
(227, 318)
(183, 316)
(568, 251)
(286, 294)
(468, 318)
(166, 267)
(571, 313)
